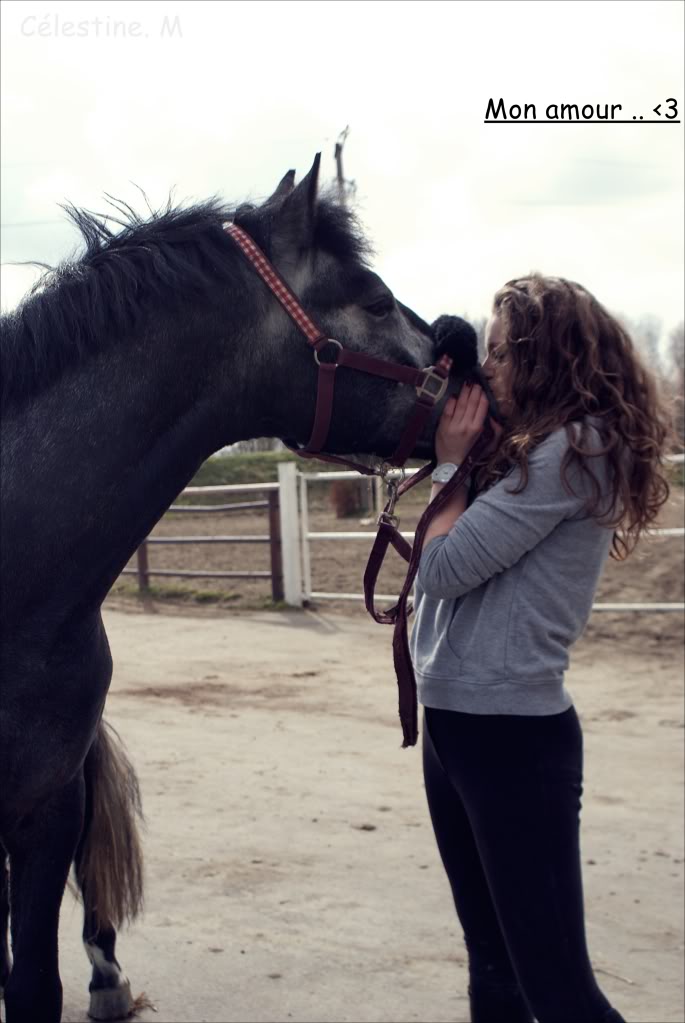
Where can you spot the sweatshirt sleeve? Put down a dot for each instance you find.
(500, 527)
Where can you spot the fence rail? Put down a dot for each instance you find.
(289, 538)
(272, 505)
(237, 506)
(208, 539)
(307, 536)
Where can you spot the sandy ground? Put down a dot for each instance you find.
(291, 866)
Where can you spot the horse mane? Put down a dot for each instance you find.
(91, 299)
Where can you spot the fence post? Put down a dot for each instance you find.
(275, 548)
(143, 570)
(379, 492)
(290, 533)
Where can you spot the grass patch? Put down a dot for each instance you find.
(253, 467)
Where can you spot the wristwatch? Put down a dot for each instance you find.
(444, 472)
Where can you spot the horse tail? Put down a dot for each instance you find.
(109, 861)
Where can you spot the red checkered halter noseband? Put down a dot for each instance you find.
(430, 383)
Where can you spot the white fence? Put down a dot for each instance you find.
(297, 538)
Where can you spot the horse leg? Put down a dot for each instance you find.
(108, 866)
(110, 991)
(4, 921)
(41, 848)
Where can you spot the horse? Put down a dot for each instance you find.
(124, 369)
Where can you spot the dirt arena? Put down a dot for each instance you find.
(291, 868)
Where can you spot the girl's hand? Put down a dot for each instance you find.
(461, 424)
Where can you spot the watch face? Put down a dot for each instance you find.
(444, 473)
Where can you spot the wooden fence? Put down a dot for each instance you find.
(289, 538)
(271, 505)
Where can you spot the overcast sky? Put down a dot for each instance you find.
(223, 98)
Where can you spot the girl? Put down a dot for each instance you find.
(505, 587)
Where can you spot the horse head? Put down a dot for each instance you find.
(319, 249)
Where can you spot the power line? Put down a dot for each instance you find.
(32, 223)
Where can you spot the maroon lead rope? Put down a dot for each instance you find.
(430, 385)
(398, 615)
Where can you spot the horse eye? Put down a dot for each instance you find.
(381, 307)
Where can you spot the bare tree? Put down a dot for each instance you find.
(645, 334)
(675, 388)
(664, 361)
(676, 352)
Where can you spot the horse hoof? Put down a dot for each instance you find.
(111, 1002)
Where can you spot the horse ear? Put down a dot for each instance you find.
(295, 220)
(285, 187)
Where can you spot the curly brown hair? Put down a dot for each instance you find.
(571, 359)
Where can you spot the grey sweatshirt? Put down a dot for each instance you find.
(503, 596)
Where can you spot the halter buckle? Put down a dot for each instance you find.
(433, 385)
(387, 515)
(391, 520)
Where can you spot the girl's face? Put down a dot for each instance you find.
(497, 366)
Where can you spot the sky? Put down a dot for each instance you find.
(199, 99)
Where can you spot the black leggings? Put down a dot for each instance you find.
(504, 794)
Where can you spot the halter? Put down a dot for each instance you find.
(430, 385)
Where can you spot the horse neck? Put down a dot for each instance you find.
(99, 457)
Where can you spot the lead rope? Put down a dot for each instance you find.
(398, 615)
